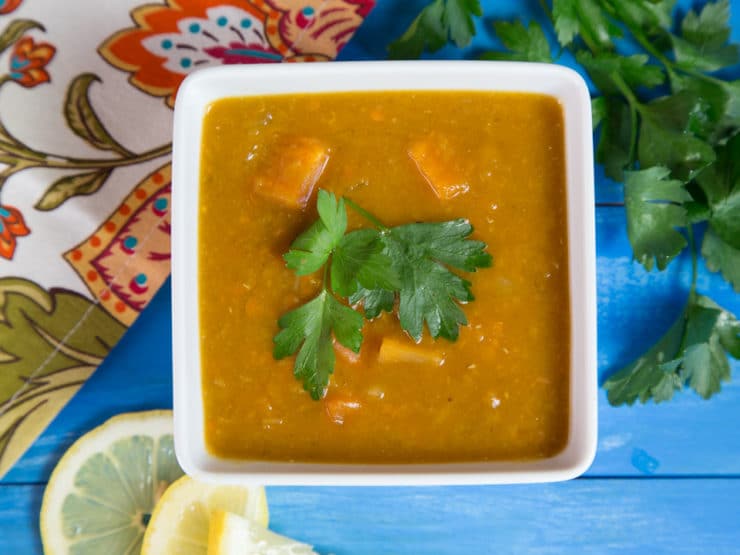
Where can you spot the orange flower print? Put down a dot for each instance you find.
(29, 60)
(7, 6)
(11, 226)
(172, 40)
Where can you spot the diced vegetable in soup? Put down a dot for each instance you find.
(493, 386)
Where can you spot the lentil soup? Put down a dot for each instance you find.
(501, 391)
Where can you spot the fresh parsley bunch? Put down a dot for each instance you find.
(669, 127)
(375, 267)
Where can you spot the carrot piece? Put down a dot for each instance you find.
(290, 172)
(347, 354)
(439, 164)
(338, 407)
(393, 350)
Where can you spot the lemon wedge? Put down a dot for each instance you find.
(182, 518)
(103, 490)
(231, 534)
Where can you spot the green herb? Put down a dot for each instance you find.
(721, 257)
(702, 43)
(429, 292)
(585, 18)
(671, 130)
(310, 328)
(440, 21)
(691, 352)
(720, 183)
(655, 210)
(372, 267)
(527, 44)
(312, 248)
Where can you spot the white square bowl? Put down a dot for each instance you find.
(204, 87)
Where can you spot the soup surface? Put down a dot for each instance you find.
(501, 391)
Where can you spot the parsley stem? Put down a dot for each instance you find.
(365, 214)
(670, 66)
(703, 76)
(325, 279)
(694, 269)
(634, 106)
(548, 12)
(654, 52)
(589, 43)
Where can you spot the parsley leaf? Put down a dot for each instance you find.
(310, 328)
(650, 16)
(526, 44)
(721, 185)
(614, 150)
(667, 138)
(706, 104)
(358, 261)
(312, 248)
(692, 352)
(721, 257)
(374, 301)
(440, 21)
(585, 18)
(654, 211)
(634, 70)
(458, 17)
(701, 45)
(598, 111)
(429, 290)
(647, 377)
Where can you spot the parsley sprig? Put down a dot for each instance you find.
(376, 267)
(440, 21)
(669, 127)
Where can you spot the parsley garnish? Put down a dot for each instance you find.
(310, 327)
(670, 128)
(429, 292)
(373, 267)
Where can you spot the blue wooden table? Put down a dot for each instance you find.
(666, 478)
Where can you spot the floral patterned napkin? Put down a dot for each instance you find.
(86, 95)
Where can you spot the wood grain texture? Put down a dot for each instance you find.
(583, 516)
(19, 519)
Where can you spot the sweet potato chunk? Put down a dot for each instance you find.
(440, 165)
(393, 350)
(290, 172)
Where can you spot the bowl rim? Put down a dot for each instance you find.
(204, 86)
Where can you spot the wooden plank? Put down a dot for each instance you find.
(19, 517)
(686, 436)
(582, 516)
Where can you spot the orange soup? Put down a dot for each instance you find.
(501, 391)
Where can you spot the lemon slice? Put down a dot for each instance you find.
(231, 534)
(104, 488)
(181, 519)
